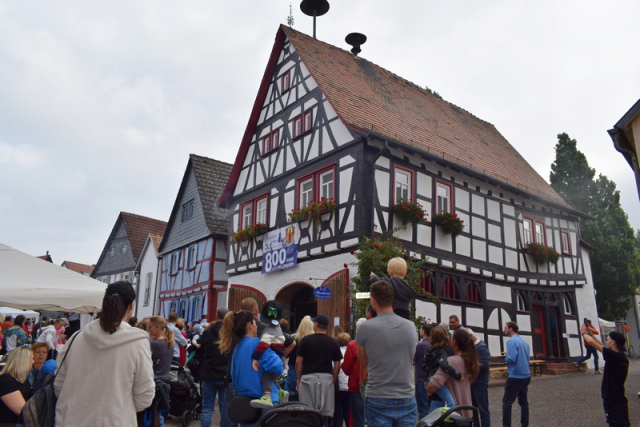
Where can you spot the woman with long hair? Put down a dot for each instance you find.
(107, 376)
(161, 347)
(239, 336)
(465, 361)
(304, 328)
(15, 390)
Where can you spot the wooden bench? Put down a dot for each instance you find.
(537, 366)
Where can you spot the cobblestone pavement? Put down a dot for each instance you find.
(554, 401)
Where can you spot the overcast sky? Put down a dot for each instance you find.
(101, 103)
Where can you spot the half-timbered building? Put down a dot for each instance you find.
(192, 278)
(123, 248)
(329, 124)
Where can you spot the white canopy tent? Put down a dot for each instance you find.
(15, 311)
(29, 283)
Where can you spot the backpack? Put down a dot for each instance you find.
(40, 409)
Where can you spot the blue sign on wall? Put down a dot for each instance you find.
(322, 292)
(280, 249)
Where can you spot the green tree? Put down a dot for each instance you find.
(615, 262)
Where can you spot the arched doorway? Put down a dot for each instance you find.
(297, 301)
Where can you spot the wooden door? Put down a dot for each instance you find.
(539, 333)
(337, 304)
(238, 293)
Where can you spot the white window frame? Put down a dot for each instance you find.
(261, 211)
(568, 307)
(147, 289)
(400, 188)
(247, 215)
(520, 302)
(443, 198)
(196, 308)
(174, 263)
(565, 242)
(183, 309)
(533, 234)
(527, 231)
(327, 188)
(306, 196)
(192, 256)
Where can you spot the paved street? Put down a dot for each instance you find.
(565, 400)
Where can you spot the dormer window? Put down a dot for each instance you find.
(187, 210)
(302, 123)
(285, 81)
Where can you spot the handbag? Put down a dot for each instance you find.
(241, 412)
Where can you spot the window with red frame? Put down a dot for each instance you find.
(565, 242)
(449, 289)
(533, 231)
(270, 141)
(473, 293)
(402, 184)
(254, 212)
(285, 81)
(426, 284)
(302, 123)
(444, 197)
(317, 186)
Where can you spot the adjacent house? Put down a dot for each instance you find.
(122, 251)
(83, 269)
(626, 139)
(333, 130)
(192, 277)
(147, 273)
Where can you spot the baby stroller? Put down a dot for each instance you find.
(456, 420)
(292, 414)
(186, 401)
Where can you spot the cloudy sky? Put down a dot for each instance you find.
(102, 102)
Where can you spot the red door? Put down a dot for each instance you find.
(539, 333)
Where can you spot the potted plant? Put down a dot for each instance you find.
(409, 212)
(542, 254)
(450, 223)
(249, 232)
(313, 211)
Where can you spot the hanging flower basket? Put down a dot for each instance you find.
(542, 254)
(409, 212)
(249, 232)
(313, 210)
(450, 223)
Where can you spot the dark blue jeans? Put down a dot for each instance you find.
(356, 405)
(390, 412)
(209, 390)
(228, 396)
(480, 399)
(422, 400)
(341, 411)
(590, 351)
(291, 383)
(515, 388)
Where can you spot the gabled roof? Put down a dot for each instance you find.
(46, 257)
(372, 100)
(79, 268)
(138, 228)
(211, 178)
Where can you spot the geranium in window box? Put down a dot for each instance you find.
(409, 212)
(542, 254)
(313, 210)
(450, 223)
(249, 232)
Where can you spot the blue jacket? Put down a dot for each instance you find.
(517, 358)
(485, 359)
(247, 381)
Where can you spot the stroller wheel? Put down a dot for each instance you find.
(186, 418)
(195, 415)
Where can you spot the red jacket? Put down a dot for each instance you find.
(351, 366)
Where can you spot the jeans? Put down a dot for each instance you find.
(341, 411)
(228, 396)
(515, 388)
(445, 398)
(480, 399)
(209, 390)
(590, 351)
(391, 412)
(357, 408)
(422, 400)
(291, 383)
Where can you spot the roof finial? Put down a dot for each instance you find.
(290, 17)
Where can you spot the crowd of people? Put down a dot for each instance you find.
(108, 373)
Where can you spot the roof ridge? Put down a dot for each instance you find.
(387, 71)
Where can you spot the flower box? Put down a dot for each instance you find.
(250, 232)
(450, 223)
(542, 254)
(313, 210)
(409, 212)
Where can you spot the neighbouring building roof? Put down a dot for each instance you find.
(212, 177)
(157, 239)
(624, 138)
(138, 228)
(46, 257)
(79, 268)
(372, 100)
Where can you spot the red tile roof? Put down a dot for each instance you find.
(373, 100)
(79, 268)
(138, 229)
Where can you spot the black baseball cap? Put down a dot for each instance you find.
(271, 313)
(321, 320)
(619, 339)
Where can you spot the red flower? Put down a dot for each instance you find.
(376, 246)
(353, 251)
(345, 265)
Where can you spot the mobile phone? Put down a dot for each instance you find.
(586, 321)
